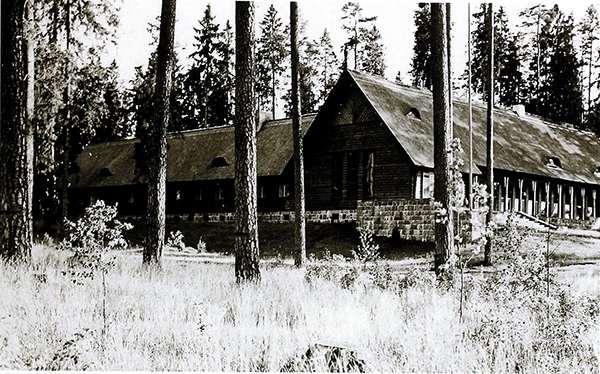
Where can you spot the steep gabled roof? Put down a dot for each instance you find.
(206, 154)
(521, 144)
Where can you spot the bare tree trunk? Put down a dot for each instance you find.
(299, 199)
(246, 222)
(66, 151)
(442, 134)
(490, 133)
(157, 178)
(16, 132)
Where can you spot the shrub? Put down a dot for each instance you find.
(367, 249)
(96, 231)
(201, 246)
(175, 240)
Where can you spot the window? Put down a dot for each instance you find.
(284, 190)
(427, 185)
(219, 162)
(352, 178)
(337, 160)
(414, 113)
(369, 169)
(553, 162)
(105, 172)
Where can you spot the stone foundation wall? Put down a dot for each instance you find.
(317, 216)
(411, 219)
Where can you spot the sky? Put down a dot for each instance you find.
(395, 21)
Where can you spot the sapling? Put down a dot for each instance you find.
(90, 238)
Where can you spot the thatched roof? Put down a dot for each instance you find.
(206, 154)
(521, 144)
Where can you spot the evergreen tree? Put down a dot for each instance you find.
(371, 51)
(365, 41)
(307, 72)
(246, 220)
(16, 147)
(157, 176)
(507, 59)
(421, 60)
(209, 81)
(326, 65)
(589, 28)
(565, 99)
(69, 34)
(271, 54)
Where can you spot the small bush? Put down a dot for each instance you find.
(367, 249)
(201, 247)
(175, 240)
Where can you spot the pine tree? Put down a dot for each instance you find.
(155, 234)
(365, 41)
(209, 81)
(326, 65)
(371, 52)
(246, 220)
(271, 54)
(69, 34)
(308, 77)
(442, 133)
(589, 28)
(16, 132)
(507, 58)
(565, 99)
(421, 60)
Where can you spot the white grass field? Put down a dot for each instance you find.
(192, 316)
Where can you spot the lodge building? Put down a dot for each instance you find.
(368, 159)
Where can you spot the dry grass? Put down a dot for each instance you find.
(192, 316)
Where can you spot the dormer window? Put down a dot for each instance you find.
(414, 113)
(105, 172)
(597, 172)
(553, 162)
(219, 162)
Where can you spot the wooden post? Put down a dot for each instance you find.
(561, 201)
(595, 206)
(535, 208)
(548, 211)
(583, 204)
(506, 184)
(572, 201)
(520, 209)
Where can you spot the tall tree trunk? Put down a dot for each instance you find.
(487, 259)
(66, 151)
(16, 132)
(273, 87)
(299, 199)
(442, 134)
(157, 178)
(246, 222)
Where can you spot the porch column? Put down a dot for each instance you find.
(561, 203)
(534, 207)
(547, 187)
(583, 204)
(595, 206)
(572, 201)
(521, 196)
(506, 194)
